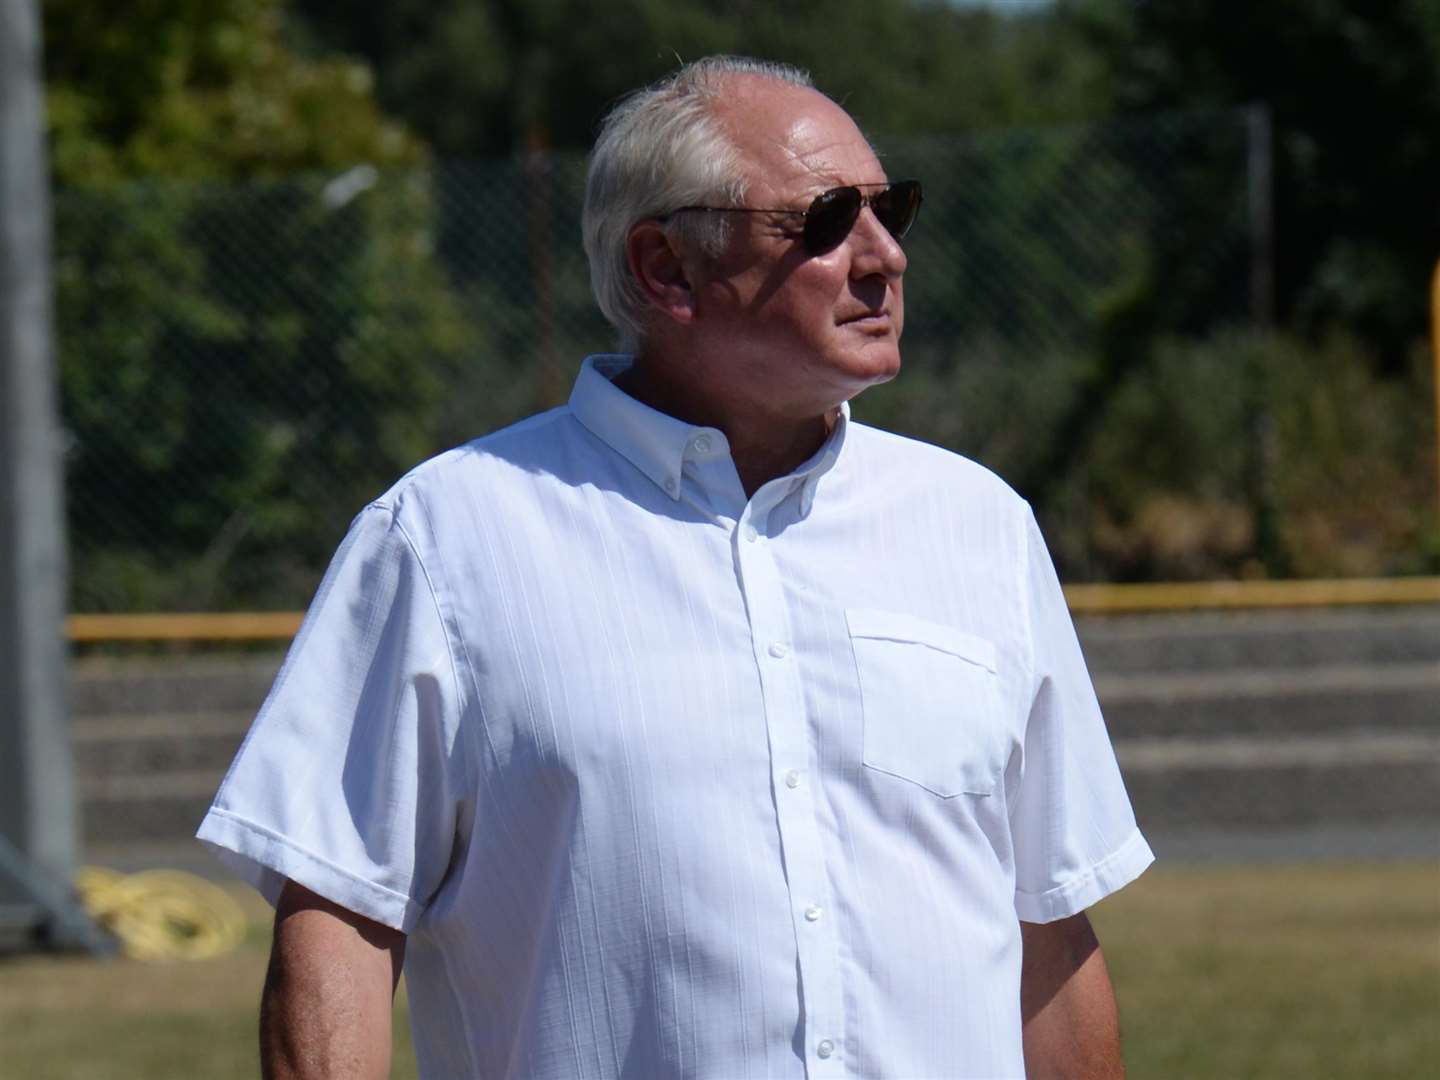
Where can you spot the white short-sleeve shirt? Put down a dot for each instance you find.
(665, 781)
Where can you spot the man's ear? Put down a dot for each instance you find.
(660, 270)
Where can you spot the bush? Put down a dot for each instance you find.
(1242, 455)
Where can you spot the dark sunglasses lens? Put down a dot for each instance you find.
(832, 215)
(898, 206)
(830, 219)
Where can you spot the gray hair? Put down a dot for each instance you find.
(660, 149)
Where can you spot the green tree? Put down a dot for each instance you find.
(485, 77)
(254, 337)
(202, 89)
(1355, 94)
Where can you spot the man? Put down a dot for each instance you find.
(692, 729)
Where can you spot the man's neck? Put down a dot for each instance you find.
(764, 444)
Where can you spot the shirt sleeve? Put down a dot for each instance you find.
(1074, 833)
(351, 780)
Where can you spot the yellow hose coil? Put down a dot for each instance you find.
(162, 914)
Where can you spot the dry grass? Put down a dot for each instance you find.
(73, 1018)
(1307, 971)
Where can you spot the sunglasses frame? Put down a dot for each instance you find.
(817, 236)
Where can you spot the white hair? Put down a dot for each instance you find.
(660, 149)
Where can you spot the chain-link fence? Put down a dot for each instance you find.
(244, 366)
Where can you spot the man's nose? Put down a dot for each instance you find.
(875, 250)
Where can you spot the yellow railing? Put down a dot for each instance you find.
(1238, 595)
(1083, 600)
(239, 626)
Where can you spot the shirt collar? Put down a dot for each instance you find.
(651, 441)
(824, 459)
(655, 443)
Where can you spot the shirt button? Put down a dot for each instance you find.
(670, 484)
(749, 533)
(792, 778)
(778, 649)
(702, 444)
(824, 1048)
(812, 913)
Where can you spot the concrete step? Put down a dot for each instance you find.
(1376, 749)
(107, 687)
(1395, 696)
(149, 745)
(1358, 777)
(126, 815)
(1369, 841)
(1190, 782)
(141, 787)
(1217, 641)
(1274, 795)
(1223, 723)
(161, 725)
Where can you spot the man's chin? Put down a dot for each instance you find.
(876, 372)
(883, 363)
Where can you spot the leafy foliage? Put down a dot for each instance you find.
(201, 89)
(1076, 277)
(1355, 94)
(1201, 450)
(484, 77)
(172, 340)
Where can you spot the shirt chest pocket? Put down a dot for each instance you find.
(931, 702)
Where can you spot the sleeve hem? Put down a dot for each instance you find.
(265, 860)
(1112, 873)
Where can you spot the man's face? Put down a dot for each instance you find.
(802, 332)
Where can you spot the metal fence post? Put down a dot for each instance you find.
(1260, 170)
(38, 833)
(1435, 362)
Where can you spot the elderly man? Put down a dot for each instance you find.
(692, 729)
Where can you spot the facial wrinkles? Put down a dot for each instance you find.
(823, 156)
(802, 144)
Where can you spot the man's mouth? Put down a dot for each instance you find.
(880, 317)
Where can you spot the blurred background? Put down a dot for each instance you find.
(1172, 280)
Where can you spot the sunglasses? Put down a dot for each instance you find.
(831, 216)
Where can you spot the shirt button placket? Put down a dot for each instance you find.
(785, 719)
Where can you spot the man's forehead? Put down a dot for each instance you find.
(795, 137)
